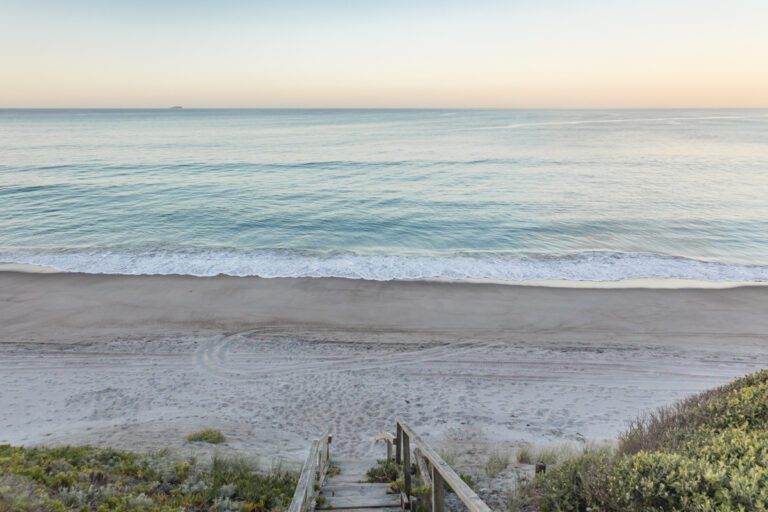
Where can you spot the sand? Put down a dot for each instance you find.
(140, 361)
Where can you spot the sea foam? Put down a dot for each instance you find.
(584, 266)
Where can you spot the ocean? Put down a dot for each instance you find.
(502, 195)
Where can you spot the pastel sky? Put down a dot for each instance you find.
(415, 53)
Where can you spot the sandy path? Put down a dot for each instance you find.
(125, 361)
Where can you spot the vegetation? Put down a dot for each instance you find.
(207, 435)
(554, 454)
(706, 453)
(397, 486)
(385, 471)
(449, 455)
(496, 463)
(525, 455)
(467, 479)
(83, 478)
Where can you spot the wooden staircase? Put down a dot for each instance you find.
(346, 488)
(349, 491)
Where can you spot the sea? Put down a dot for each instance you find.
(499, 195)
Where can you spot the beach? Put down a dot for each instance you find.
(140, 361)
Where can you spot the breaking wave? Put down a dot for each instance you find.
(583, 266)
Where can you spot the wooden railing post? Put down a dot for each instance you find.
(442, 474)
(407, 464)
(399, 444)
(438, 491)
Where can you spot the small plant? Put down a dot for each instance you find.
(397, 486)
(384, 472)
(552, 454)
(496, 463)
(525, 455)
(208, 435)
(333, 471)
(467, 478)
(523, 498)
(449, 455)
(320, 501)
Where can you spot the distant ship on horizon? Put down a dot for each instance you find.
(176, 107)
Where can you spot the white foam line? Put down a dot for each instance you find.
(587, 267)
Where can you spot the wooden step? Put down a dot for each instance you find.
(350, 492)
(354, 489)
(374, 509)
(347, 503)
(358, 496)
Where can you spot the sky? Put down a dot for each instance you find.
(417, 53)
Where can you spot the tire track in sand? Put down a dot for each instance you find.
(216, 358)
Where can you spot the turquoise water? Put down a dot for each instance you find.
(388, 194)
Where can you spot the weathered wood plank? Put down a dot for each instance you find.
(334, 483)
(312, 474)
(399, 445)
(369, 490)
(370, 509)
(389, 438)
(424, 471)
(438, 491)
(360, 502)
(407, 462)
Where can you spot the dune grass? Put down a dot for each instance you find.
(208, 435)
(83, 478)
(525, 454)
(497, 462)
(548, 455)
(706, 453)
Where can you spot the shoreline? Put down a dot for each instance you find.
(650, 283)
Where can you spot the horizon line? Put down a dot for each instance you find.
(181, 107)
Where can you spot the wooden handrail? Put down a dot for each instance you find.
(439, 473)
(312, 474)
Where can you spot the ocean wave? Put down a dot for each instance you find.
(583, 266)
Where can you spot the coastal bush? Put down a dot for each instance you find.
(385, 471)
(208, 435)
(706, 453)
(83, 478)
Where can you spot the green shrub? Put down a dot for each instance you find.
(385, 471)
(207, 435)
(576, 483)
(742, 403)
(397, 486)
(706, 453)
(87, 479)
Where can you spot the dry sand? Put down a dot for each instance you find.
(139, 361)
